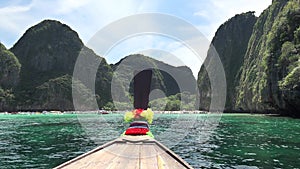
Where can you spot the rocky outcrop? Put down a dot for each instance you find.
(10, 68)
(169, 79)
(230, 41)
(269, 80)
(9, 77)
(262, 72)
(47, 52)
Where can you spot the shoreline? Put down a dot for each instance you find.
(123, 111)
(100, 112)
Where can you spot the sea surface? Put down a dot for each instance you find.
(203, 140)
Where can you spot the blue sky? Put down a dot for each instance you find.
(88, 16)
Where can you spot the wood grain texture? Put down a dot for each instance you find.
(128, 152)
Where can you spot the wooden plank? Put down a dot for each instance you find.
(171, 157)
(161, 163)
(88, 154)
(167, 160)
(148, 157)
(98, 159)
(110, 155)
(129, 158)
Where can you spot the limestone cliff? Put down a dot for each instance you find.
(9, 77)
(167, 78)
(230, 41)
(10, 68)
(47, 51)
(269, 80)
(262, 72)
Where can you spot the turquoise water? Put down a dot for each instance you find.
(238, 141)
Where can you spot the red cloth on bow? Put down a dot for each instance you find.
(136, 131)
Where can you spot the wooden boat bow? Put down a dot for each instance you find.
(128, 152)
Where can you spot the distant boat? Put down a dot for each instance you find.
(56, 112)
(102, 112)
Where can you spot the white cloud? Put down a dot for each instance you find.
(91, 17)
(68, 6)
(11, 17)
(13, 22)
(202, 13)
(164, 56)
(232, 7)
(219, 11)
(86, 17)
(161, 48)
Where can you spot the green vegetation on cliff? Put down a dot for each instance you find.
(230, 41)
(56, 94)
(47, 52)
(10, 68)
(180, 101)
(168, 79)
(9, 77)
(7, 99)
(261, 59)
(269, 76)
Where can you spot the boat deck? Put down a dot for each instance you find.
(132, 152)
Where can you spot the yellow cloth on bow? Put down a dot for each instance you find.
(139, 115)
